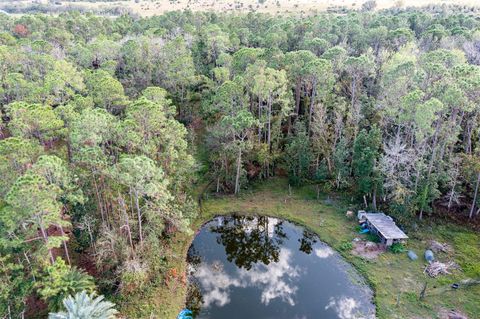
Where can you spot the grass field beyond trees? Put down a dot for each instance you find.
(157, 7)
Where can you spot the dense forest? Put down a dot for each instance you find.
(111, 125)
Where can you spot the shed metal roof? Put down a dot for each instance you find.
(385, 225)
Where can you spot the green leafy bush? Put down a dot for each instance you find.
(59, 280)
(373, 238)
(397, 248)
(345, 246)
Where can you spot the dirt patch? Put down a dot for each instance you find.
(438, 247)
(367, 249)
(451, 314)
(36, 308)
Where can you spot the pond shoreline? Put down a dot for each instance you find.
(252, 245)
(345, 255)
(206, 215)
(394, 280)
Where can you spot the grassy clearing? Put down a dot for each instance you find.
(157, 7)
(396, 280)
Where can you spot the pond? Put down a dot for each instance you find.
(243, 267)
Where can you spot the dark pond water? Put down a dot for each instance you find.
(266, 268)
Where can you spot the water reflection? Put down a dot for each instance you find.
(345, 307)
(275, 281)
(266, 268)
(249, 240)
(324, 252)
(307, 241)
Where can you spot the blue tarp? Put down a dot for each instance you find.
(185, 314)
(364, 231)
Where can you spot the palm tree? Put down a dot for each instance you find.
(84, 306)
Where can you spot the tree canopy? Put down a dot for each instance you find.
(111, 126)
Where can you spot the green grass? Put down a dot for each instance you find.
(395, 279)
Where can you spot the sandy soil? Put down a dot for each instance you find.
(367, 249)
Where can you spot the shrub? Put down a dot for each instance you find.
(59, 280)
(372, 237)
(411, 296)
(345, 246)
(397, 248)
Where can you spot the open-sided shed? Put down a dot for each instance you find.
(384, 227)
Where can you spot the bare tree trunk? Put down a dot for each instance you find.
(434, 150)
(99, 200)
(259, 120)
(64, 242)
(45, 239)
(312, 101)
(237, 177)
(90, 234)
(451, 195)
(297, 97)
(289, 125)
(29, 265)
(329, 165)
(468, 142)
(474, 197)
(269, 122)
(353, 89)
(225, 164)
(432, 160)
(107, 205)
(139, 216)
(298, 87)
(127, 221)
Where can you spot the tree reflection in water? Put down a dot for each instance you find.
(193, 257)
(307, 241)
(249, 240)
(262, 267)
(194, 298)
